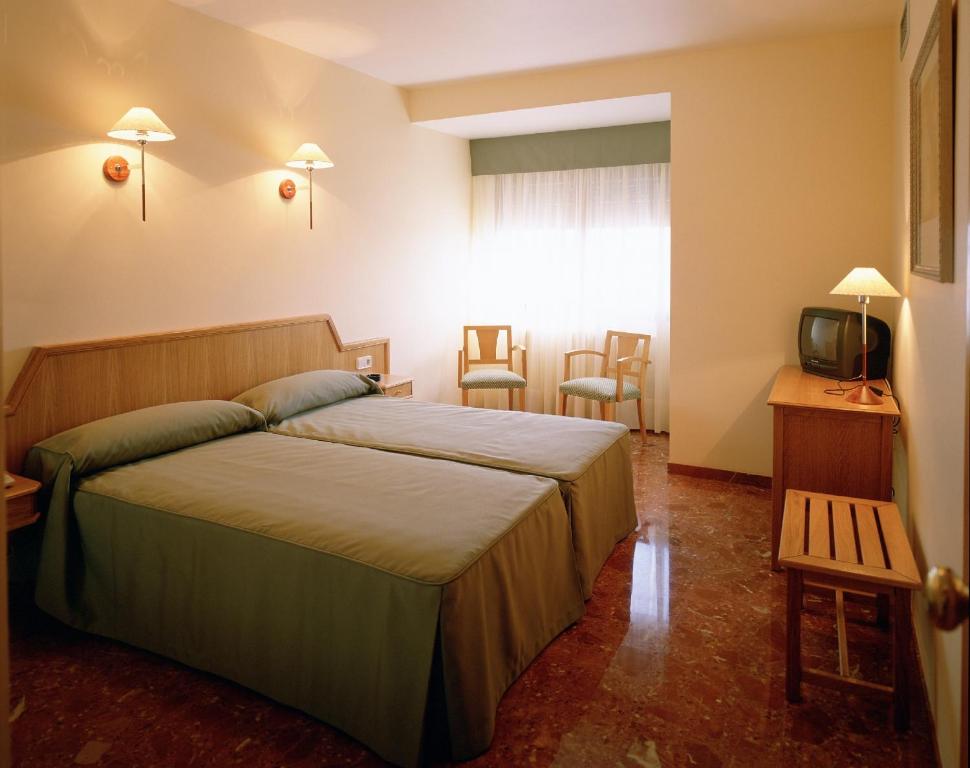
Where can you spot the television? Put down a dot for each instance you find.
(830, 344)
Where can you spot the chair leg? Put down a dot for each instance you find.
(793, 663)
(510, 400)
(609, 411)
(902, 633)
(522, 399)
(562, 407)
(643, 428)
(464, 397)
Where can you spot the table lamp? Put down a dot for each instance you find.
(142, 125)
(864, 282)
(311, 157)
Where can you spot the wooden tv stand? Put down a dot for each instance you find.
(823, 444)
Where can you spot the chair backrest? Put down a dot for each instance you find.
(488, 338)
(626, 345)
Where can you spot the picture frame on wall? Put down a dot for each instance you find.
(931, 150)
(904, 31)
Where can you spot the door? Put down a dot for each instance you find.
(947, 597)
(4, 647)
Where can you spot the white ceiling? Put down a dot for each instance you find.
(410, 42)
(564, 117)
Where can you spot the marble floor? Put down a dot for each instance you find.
(679, 661)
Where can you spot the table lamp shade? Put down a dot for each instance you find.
(141, 124)
(309, 156)
(864, 281)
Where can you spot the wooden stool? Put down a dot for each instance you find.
(848, 545)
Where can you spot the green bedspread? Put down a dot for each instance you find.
(393, 596)
(590, 459)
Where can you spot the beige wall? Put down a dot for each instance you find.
(931, 380)
(219, 245)
(781, 182)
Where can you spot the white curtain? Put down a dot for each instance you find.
(565, 255)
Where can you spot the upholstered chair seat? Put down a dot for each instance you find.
(492, 379)
(598, 388)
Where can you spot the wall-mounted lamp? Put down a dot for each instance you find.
(311, 157)
(142, 125)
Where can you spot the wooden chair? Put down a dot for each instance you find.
(611, 386)
(488, 346)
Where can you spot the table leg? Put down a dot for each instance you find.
(777, 485)
(776, 517)
(793, 667)
(902, 635)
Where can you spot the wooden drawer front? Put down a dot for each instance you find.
(20, 512)
(399, 390)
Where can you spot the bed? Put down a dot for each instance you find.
(265, 558)
(589, 459)
(391, 610)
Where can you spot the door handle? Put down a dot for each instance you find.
(946, 594)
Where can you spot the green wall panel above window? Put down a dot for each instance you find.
(565, 150)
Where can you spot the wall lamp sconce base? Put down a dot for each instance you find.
(116, 168)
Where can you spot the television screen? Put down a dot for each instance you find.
(820, 338)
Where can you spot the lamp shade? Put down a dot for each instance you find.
(864, 281)
(141, 124)
(309, 156)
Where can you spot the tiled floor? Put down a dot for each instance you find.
(679, 661)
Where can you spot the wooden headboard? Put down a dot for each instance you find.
(64, 385)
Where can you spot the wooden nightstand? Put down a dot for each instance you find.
(21, 502)
(827, 445)
(396, 386)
